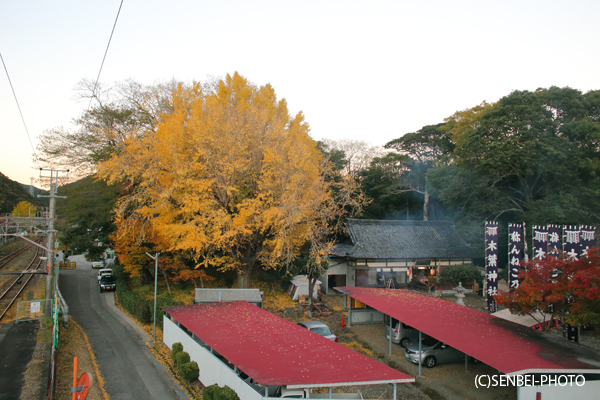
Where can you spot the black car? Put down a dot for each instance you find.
(107, 282)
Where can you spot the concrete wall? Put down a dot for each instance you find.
(368, 316)
(212, 369)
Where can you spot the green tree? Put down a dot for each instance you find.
(531, 156)
(424, 147)
(85, 216)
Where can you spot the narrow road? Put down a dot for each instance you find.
(127, 366)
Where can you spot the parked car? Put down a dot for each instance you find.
(433, 352)
(107, 282)
(319, 328)
(402, 333)
(104, 271)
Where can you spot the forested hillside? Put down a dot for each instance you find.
(85, 215)
(12, 192)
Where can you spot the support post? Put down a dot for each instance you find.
(420, 354)
(155, 258)
(155, 286)
(53, 273)
(390, 334)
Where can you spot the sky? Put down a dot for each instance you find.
(362, 70)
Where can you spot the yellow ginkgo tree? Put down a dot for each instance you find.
(232, 179)
(24, 209)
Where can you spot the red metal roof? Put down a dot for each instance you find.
(274, 351)
(504, 345)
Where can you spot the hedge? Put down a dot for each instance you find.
(189, 371)
(141, 309)
(132, 302)
(215, 392)
(177, 348)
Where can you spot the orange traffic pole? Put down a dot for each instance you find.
(74, 377)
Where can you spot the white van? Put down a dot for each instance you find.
(104, 271)
(401, 333)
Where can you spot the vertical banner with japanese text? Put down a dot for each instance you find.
(572, 242)
(555, 245)
(515, 254)
(491, 264)
(540, 242)
(588, 238)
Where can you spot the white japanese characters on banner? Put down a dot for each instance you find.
(572, 242)
(540, 242)
(587, 238)
(491, 264)
(555, 247)
(515, 254)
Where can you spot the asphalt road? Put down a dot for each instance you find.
(127, 366)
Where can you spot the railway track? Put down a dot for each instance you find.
(7, 258)
(18, 283)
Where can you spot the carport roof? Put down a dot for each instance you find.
(504, 345)
(274, 351)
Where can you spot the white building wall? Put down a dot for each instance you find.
(588, 391)
(212, 370)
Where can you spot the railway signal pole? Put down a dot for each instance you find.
(54, 176)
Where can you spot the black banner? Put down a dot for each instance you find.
(555, 245)
(572, 242)
(515, 254)
(588, 238)
(491, 264)
(540, 242)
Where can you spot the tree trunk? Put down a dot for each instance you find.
(311, 288)
(426, 206)
(244, 277)
(146, 276)
(166, 280)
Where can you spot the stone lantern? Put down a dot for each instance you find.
(460, 290)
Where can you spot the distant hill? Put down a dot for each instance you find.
(12, 192)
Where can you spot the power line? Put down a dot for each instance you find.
(18, 106)
(105, 53)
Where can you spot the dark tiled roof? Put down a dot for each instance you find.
(404, 239)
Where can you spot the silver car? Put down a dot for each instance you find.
(319, 328)
(433, 352)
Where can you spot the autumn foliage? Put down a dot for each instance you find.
(558, 287)
(229, 179)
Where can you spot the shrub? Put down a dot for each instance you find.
(189, 371)
(215, 392)
(460, 273)
(177, 348)
(181, 358)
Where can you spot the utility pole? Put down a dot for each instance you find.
(53, 269)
